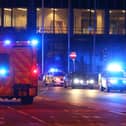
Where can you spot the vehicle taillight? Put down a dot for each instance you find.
(34, 71)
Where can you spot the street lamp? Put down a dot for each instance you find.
(42, 12)
(94, 39)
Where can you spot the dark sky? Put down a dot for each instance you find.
(64, 3)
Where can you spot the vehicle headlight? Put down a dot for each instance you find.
(81, 81)
(76, 81)
(90, 81)
(113, 81)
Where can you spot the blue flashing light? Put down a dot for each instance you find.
(3, 71)
(113, 81)
(114, 67)
(34, 42)
(7, 42)
(52, 70)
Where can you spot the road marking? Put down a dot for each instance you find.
(26, 114)
(85, 117)
(119, 113)
(2, 120)
(96, 117)
(52, 117)
(66, 110)
(123, 124)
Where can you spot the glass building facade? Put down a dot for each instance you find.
(88, 26)
(56, 20)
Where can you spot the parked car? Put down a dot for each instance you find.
(92, 81)
(80, 80)
(75, 80)
(58, 78)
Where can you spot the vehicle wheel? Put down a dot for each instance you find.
(101, 88)
(27, 100)
(46, 84)
(121, 90)
(73, 87)
(91, 87)
(108, 89)
(65, 86)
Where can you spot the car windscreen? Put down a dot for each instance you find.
(58, 74)
(77, 75)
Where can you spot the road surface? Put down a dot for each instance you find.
(56, 106)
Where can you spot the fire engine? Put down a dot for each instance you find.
(18, 70)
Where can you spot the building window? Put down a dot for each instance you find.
(7, 17)
(15, 17)
(84, 21)
(55, 20)
(19, 17)
(61, 23)
(100, 21)
(117, 22)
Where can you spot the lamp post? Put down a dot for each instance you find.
(42, 12)
(69, 36)
(73, 56)
(94, 39)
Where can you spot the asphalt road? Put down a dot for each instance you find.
(56, 106)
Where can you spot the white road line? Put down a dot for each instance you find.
(119, 113)
(66, 110)
(26, 114)
(2, 120)
(96, 117)
(85, 117)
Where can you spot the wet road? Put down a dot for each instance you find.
(57, 106)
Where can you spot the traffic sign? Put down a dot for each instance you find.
(73, 55)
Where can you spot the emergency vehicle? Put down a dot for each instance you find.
(54, 77)
(18, 70)
(113, 78)
(48, 79)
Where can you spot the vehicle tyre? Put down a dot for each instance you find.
(65, 86)
(46, 84)
(101, 88)
(108, 89)
(121, 90)
(27, 100)
(73, 87)
(91, 87)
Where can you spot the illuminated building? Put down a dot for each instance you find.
(90, 26)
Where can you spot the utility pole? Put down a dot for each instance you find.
(68, 43)
(94, 39)
(42, 12)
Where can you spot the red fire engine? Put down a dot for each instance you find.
(18, 70)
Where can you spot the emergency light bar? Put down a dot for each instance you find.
(7, 42)
(114, 67)
(3, 71)
(34, 42)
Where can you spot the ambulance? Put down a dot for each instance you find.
(18, 70)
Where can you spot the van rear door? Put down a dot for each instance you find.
(22, 64)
